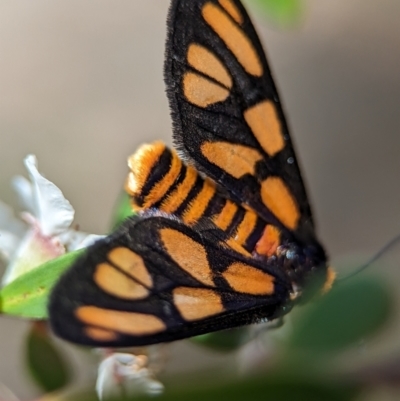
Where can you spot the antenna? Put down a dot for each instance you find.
(378, 255)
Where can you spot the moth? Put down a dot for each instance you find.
(223, 234)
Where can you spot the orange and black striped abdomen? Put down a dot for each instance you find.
(160, 180)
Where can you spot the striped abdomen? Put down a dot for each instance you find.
(160, 180)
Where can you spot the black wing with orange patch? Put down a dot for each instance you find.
(226, 112)
(156, 280)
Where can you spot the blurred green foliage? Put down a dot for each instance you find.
(265, 388)
(45, 363)
(283, 13)
(122, 210)
(351, 311)
(226, 340)
(27, 296)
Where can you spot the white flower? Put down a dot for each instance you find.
(45, 233)
(123, 374)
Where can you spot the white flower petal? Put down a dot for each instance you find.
(9, 223)
(54, 213)
(24, 190)
(48, 216)
(74, 240)
(143, 384)
(105, 379)
(34, 250)
(122, 373)
(8, 244)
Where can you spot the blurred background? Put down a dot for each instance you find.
(81, 87)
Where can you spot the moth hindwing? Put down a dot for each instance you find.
(224, 236)
(139, 286)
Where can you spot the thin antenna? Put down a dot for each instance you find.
(380, 253)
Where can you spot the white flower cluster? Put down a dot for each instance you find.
(122, 374)
(44, 231)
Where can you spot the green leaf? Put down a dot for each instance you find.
(225, 341)
(122, 210)
(256, 389)
(27, 295)
(268, 388)
(263, 389)
(282, 12)
(351, 311)
(45, 362)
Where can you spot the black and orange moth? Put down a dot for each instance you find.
(223, 234)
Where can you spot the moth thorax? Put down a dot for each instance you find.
(154, 170)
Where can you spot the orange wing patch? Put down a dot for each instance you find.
(203, 60)
(188, 254)
(235, 39)
(236, 160)
(100, 334)
(132, 264)
(116, 283)
(201, 91)
(247, 279)
(277, 197)
(197, 303)
(232, 10)
(136, 324)
(264, 122)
